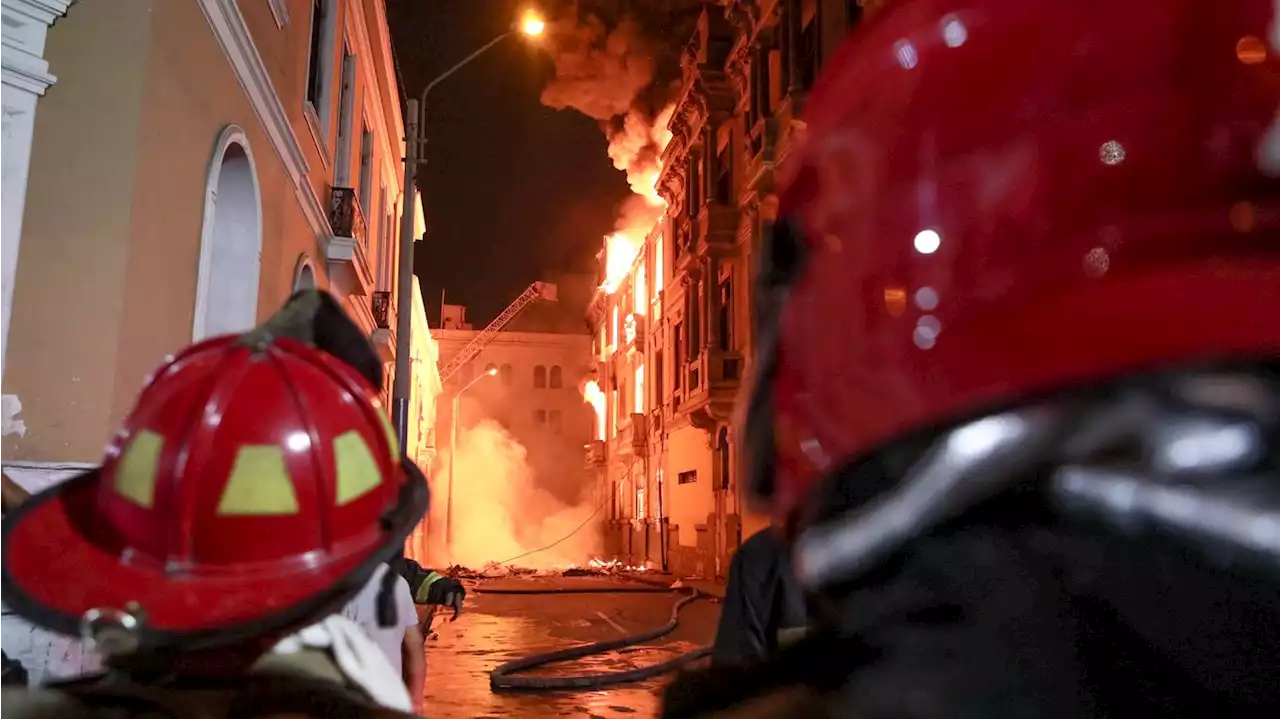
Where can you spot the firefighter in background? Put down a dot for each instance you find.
(763, 607)
(430, 588)
(1018, 388)
(252, 491)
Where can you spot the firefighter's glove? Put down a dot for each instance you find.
(440, 590)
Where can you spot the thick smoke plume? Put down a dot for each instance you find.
(500, 512)
(611, 76)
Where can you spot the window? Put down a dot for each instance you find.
(724, 173)
(315, 59)
(540, 416)
(381, 249)
(718, 52)
(640, 502)
(760, 98)
(557, 377)
(539, 377)
(366, 168)
(555, 420)
(807, 55)
(658, 371)
(491, 369)
(677, 343)
(693, 190)
(694, 341)
(687, 477)
(508, 377)
(726, 314)
(346, 115)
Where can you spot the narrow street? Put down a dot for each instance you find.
(498, 628)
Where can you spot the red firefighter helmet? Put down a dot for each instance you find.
(253, 489)
(995, 201)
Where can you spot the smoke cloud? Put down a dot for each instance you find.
(617, 77)
(598, 73)
(500, 512)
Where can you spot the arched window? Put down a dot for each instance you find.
(505, 373)
(539, 377)
(230, 241)
(557, 380)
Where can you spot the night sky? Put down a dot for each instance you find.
(513, 190)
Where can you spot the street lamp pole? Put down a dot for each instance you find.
(453, 454)
(415, 154)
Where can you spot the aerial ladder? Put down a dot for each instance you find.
(537, 291)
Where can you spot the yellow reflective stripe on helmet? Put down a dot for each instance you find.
(135, 478)
(357, 470)
(259, 484)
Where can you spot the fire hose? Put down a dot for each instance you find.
(501, 679)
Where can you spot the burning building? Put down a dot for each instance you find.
(671, 318)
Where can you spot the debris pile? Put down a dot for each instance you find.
(497, 570)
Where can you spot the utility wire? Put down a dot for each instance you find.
(558, 541)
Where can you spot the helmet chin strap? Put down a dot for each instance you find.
(1195, 446)
(968, 464)
(1203, 478)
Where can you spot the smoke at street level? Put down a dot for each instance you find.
(499, 512)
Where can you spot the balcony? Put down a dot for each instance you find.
(711, 385)
(717, 228)
(633, 436)
(383, 338)
(633, 332)
(596, 456)
(759, 169)
(346, 251)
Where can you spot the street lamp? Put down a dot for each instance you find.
(529, 25)
(453, 454)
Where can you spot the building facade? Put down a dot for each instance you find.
(194, 164)
(534, 393)
(674, 341)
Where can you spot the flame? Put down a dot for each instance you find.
(640, 301)
(615, 565)
(621, 249)
(592, 395)
(637, 150)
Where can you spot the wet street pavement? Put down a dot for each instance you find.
(498, 628)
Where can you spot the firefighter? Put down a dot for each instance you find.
(1017, 390)
(763, 606)
(430, 588)
(252, 491)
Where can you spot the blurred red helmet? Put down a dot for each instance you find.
(253, 489)
(999, 200)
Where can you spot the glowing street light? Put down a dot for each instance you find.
(532, 25)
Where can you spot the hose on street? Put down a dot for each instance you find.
(502, 679)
